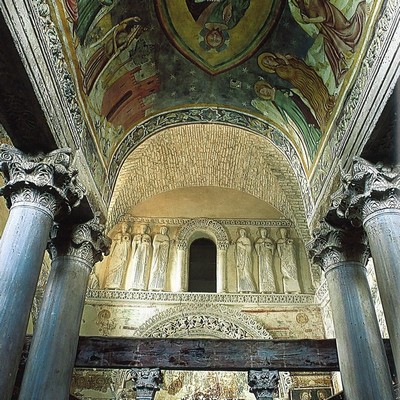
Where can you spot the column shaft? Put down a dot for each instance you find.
(383, 232)
(363, 364)
(221, 271)
(22, 248)
(49, 368)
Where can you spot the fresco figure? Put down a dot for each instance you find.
(159, 263)
(305, 79)
(118, 258)
(139, 261)
(244, 264)
(287, 255)
(265, 249)
(117, 39)
(291, 108)
(341, 35)
(83, 13)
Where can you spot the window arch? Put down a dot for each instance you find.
(203, 266)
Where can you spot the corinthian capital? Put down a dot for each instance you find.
(263, 383)
(368, 188)
(335, 241)
(46, 179)
(86, 241)
(146, 381)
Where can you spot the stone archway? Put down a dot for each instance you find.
(194, 229)
(207, 320)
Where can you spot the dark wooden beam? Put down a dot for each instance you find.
(207, 354)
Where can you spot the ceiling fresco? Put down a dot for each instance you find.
(286, 64)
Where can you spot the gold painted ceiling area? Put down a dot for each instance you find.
(208, 155)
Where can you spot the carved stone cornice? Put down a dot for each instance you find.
(86, 241)
(146, 381)
(263, 383)
(367, 189)
(337, 241)
(45, 179)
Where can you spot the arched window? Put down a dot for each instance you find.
(203, 266)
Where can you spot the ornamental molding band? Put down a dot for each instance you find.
(203, 224)
(44, 179)
(202, 320)
(367, 189)
(86, 241)
(336, 241)
(267, 223)
(264, 383)
(214, 298)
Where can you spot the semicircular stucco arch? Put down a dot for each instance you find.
(203, 320)
(209, 155)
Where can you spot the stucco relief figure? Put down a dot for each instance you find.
(244, 264)
(117, 39)
(118, 258)
(286, 252)
(341, 35)
(139, 261)
(265, 249)
(159, 263)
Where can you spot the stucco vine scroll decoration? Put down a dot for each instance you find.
(204, 320)
(203, 224)
(86, 241)
(65, 80)
(44, 179)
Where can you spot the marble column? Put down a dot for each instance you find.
(341, 251)
(74, 251)
(37, 190)
(180, 282)
(146, 382)
(222, 249)
(370, 196)
(263, 383)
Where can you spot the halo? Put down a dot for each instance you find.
(262, 65)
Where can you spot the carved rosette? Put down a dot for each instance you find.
(367, 189)
(146, 381)
(86, 241)
(263, 383)
(337, 241)
(46, 180)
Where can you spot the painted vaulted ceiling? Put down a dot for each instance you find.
(249, 63)
(281, 71)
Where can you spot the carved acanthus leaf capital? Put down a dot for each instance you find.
(263, 383)
(368, 188)
(46, 179)
(86, 241)
(335, 241)
(146, 381)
